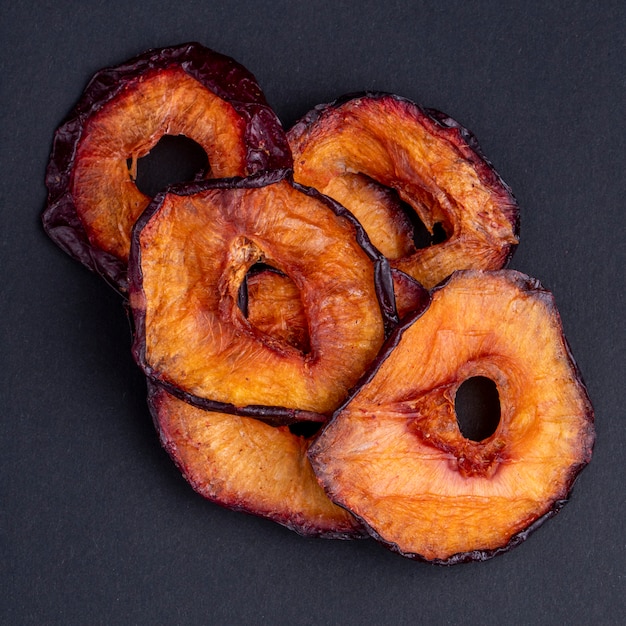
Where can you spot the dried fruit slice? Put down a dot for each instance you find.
(394, 454)
(246, 465)
(272, 303)
(376, 152)
(274, 306)
(191, 252)
(186, 90)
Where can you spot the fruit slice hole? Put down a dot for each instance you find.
(401, 214)
(422, 238)
(174, 159)
(272, 303)
(477, 406)
(242, 296)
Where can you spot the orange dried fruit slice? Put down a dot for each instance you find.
(388, 160)
(186, 90)
(247, 465)
(191, 252)
(395, 457)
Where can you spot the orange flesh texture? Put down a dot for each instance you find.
(378, 211)
(245, 464)
(396, 458)
(389, 141)
(195, 252)
(275, 308)
(164, 102)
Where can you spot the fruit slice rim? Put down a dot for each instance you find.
(383, 289)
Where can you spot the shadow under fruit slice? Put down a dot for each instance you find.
(192, 250)
(377, 153)
(187, 90)
(395, 457)
(247, 465)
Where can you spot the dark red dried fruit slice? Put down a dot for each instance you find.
(246, 465)
(191, 252)
(394, 454)
(411, 296)
(376, 152)
(186, 90)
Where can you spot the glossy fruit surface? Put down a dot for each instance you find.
(394, 454)
(389, 160)
(192, 250)
(247, 465)
(186, 90)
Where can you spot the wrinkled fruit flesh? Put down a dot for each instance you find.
(394, 454)
(191, 252)
(274, 306)
(377, 153)
(247, 465)
(187, 90)
(272, 303)
(261, 306)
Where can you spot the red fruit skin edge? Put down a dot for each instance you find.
(266, 143)
(525, 283)
(439, 125)
(275, 415)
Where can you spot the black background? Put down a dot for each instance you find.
(97, 526)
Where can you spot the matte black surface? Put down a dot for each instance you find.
(96, 524)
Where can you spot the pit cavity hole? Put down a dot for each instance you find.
(284, 318)
(242, 297)
(420, 235)
(174, 159)
(422, 238)
(477, 406)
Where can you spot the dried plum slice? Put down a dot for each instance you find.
(246, 465)
(273, 304)
(395, 457)
(185, 90)
(361, 148)
(190, 253)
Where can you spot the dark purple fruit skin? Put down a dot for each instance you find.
(274, 415)
(421, 295)
(305, 528)
(266, 143)
(525, 283)
(440, 124)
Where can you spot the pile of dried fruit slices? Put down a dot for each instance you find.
(302, 340)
